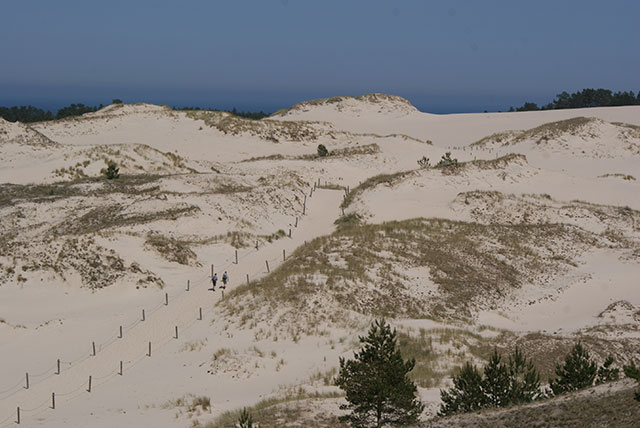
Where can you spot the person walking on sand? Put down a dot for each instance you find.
(225, 279)
(214, 280)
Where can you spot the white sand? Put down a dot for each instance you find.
(61, 319)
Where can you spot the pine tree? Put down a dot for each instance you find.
(466, 395)
(577, 372)
(376, 382)
(524, 380)
(503, 384)
(606, 373)
(496, 382)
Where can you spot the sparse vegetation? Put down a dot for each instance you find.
(633, 372)
(372, 182)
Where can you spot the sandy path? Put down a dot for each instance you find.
(161, 319)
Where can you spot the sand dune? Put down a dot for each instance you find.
(532, 238)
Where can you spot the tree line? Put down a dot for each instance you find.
(585, 98)
(255, 115)
(27, 114)
(380, 393)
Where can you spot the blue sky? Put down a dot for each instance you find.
(444, 56)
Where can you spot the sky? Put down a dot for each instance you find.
(444, 56)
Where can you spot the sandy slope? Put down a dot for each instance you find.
(251, 178)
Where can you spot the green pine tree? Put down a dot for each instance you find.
(466, 395)
(376, 382)
(577, 371)
(524, 380)
(496, 382)
(606, 373)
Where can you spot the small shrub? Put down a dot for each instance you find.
(424, 162)
(447, 161)
(112, 172)
(116, 101)
(322, 150)
(245, 420)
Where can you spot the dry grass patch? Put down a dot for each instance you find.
(361, 270)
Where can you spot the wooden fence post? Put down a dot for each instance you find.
(236, 256)
(284, 257)
(200, 314)
(53, 400)
(93, 346)
(89, 390)
(176, 333)
(26, 378)
(120, 336)
(247, 279)
(166, 299)
(149, 354)
(267, 263)
(120, 368)
(18, 414)
(188, 285)
(143, 318)
(58, 362)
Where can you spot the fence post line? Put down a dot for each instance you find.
(166, 299)
(120, 337)
(120, 368)
(18, 414)
(200, 314)
(26, 380)
(143, 315)
(53, 400)
(236, 256)
(267, 263)
(176, 332)
(58, 362)
(89, 390)
(188, 285)
(93, 346)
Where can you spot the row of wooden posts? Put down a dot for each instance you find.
(166, 302)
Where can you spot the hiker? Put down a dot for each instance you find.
(225, 279)
(214, 279)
